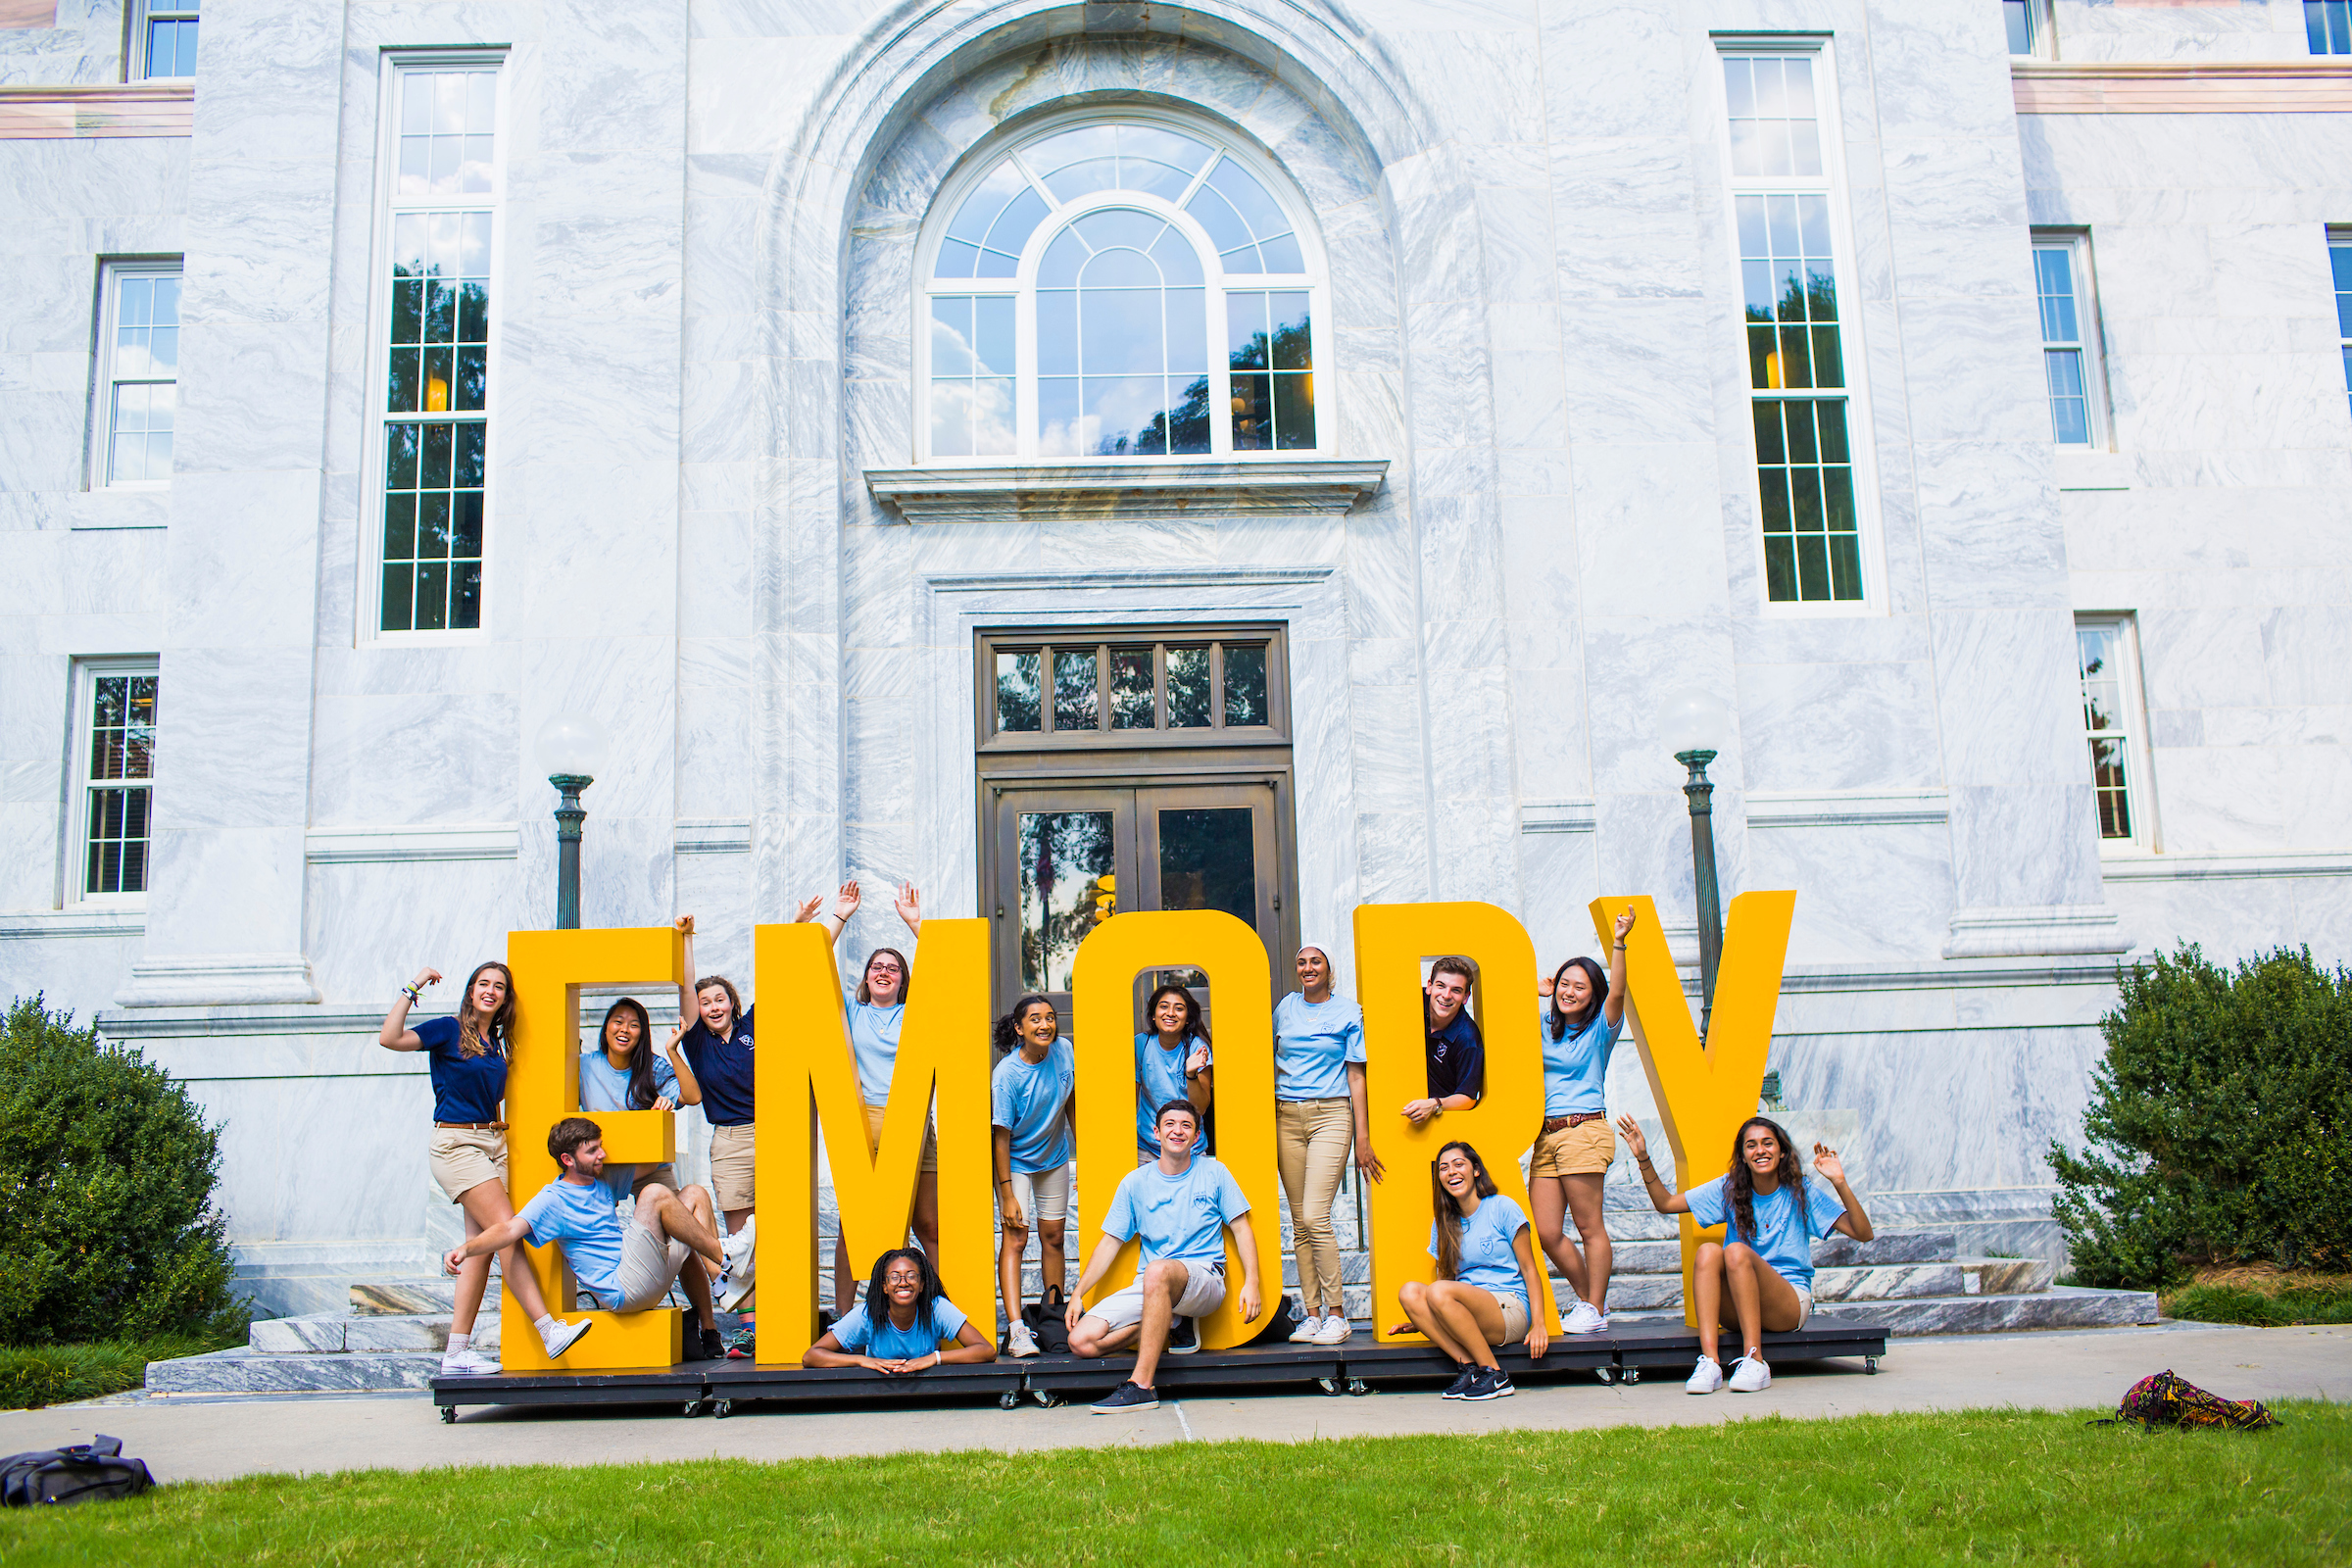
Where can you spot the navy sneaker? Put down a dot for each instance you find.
(1184, 1336)
(1459, 1388)
(1126, 1397)
(1489, 1383)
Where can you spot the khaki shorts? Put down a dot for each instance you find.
(1203, 1294)
(873, 1132)
(1584, 1149)
(731, 1167)
(1515, 1322)
(1043, 1195)
(465, 1157)
(648, 1266)
(664, 1173)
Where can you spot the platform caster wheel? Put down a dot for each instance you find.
(694, 1408)
(1047, 1399)
(449, 1415)
(1330, 1385)
(1606, 1374)
(1630, 1375)
(1359, 1387)
(720, 1409)
(1009, 1400)
(1870, 1366)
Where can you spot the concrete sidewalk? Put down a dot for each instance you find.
(191, 1439)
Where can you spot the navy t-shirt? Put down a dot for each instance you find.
(464, 1088)
(723, 1068)
(1457, 1059)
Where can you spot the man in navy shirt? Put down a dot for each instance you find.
(1456, 1051)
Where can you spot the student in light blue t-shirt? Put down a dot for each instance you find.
(1172, 1061)
(1488, 1284)
(1759, 1277)
(1319, 1115)
(1033, 1095)
(896, 1331)
(1579, 1025)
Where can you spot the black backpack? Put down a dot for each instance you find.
(1045, 1322)
(1279, 1324)
(85, 1470)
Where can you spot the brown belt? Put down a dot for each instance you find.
(474, 1126)
(1553, 1124)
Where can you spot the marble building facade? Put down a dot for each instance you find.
(719, 509)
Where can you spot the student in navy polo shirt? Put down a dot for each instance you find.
(1487, 1276)
(898, 1330)
(716, 1048)
(1760, 1276)
(1456, 1050)
(467, 1056)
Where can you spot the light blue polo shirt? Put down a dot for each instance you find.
(1314, 1043)
(579, 1214)
(874, 1038)
(1489, 1253)
(1162, 1073)
(1027, 1100)
(1576, 1066)
(1783, 1237)
(1181, 1217)
(884, 1341)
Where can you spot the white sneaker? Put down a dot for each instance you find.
(732, 1289)
(1749, 1375)
(1584, 1318)
(1707, 1377)
(1021, 1342)
(737, 1250)
(1335, 1330)
(562, 1337)
(468, 1363)
(1308, 1327)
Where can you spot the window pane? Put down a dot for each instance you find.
(2112, 789)
(1016, 692)
(2069, 409)
(1244, 685)
(1074, 696)
(1207, 862)
(1812, 543)
(1773, 116)
(2019, 15)
(1188, 688)
(1131, 688)
(1065, 863)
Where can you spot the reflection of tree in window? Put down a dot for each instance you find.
(1064, 856)
(1244, 685)
(1272, 366)
(1016, 691)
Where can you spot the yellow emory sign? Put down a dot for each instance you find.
(807, 1078)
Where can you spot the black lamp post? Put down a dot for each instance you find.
(571, 748)
(1692, 722)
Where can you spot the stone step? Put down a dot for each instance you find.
(409, 1298)
(329, 1334)
(2006, 1276)
(244, 1371)
(2064, 1306)
(1886, 1246)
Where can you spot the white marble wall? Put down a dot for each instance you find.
(85, 47)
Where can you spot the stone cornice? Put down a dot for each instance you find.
(2231, 87)
(1126, 492)
(108, 109)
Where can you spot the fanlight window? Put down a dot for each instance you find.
(1119, 290)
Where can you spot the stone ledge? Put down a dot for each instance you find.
(1127, 492)
(2061, 929)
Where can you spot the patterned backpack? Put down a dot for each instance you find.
(2166, 1400)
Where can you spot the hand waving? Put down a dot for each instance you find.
(1826, 1162)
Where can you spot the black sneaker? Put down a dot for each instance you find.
(1126, 1397)
(741, 1347)
(1489, 1383)
(714, 1345)
(1184, 1336)
(1459, 1388)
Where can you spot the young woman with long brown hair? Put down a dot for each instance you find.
(1487, 1280)
(1579, 1027)
(1172, 1061)
(1760, 1276)
(466, 1058)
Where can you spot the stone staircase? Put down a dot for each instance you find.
(391, 1338)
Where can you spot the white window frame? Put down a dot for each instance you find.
(2140, 777)
(77, 856)
(2339, 238)
(1314, 281)
(142, 12)
(369, 598)
(2077, 243)
(2040, 25)
(101, 456)
(1832, 183)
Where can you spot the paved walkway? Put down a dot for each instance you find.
(192, 1439)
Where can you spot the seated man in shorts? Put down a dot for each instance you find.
(623, 1268)
(1178, 1206)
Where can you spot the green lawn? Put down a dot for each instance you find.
(1899, 1489)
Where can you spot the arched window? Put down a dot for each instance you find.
(1126, 288)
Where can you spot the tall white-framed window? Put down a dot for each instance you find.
(1127, 285)
(2070, 339)
(111, 820)
(162, 40)
(435, 360)
(138, 382)
(2115, 725)
(2030, 31)
(1787, 193)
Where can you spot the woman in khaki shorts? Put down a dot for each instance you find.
(467, 1056)
(715, 1049)
(1486, 1276)
(1579, 1027)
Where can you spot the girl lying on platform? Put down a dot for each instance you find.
(1766, 1255)
(1487, 1280)
(896, 1329)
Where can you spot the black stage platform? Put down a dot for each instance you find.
(715, 1388)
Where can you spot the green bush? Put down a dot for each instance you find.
(106, 1179)
(2216, 1131)
(2229, 1304)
